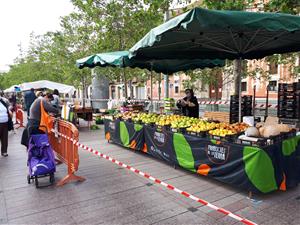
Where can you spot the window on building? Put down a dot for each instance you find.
(176, 89)
(273, 85)
(244, 86)
(273, 68)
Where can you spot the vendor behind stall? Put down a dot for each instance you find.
(189, 105)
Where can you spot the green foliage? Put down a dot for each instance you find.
(227, 4)
(291, 7)
(284, 6)
(95, 26)
(101, 26)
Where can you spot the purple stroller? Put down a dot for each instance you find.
(41, 160)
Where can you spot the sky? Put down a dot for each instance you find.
(18, 18)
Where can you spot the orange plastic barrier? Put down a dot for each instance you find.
(19, 117)
(66, 151)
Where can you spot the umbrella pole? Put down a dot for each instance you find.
(166, 76)
(254, 99)
(125, 83)
(239, 73)
(159, 87)
(151, 86)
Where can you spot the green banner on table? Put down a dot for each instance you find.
(265, 169)
(158, 143)
(124, 133)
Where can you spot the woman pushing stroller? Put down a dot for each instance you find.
(41, 159)
(40, 110)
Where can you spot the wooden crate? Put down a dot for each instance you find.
(220, 116)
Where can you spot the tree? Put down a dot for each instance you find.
(119, 25)
(285, 6)
(95, 26)
(291, 7)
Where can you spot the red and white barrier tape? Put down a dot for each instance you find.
(171, 187)
(214, 102)
(273, 106)
(200, 102)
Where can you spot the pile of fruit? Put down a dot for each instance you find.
(225, 129)
(222, 132)
(192, 124)
(146, 118)
(183, 122)
(126, 115)
(202, 126)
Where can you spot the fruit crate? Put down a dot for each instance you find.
(289, 87)
(139, 122)
(290, 102)
(292, 122)
(202, 134)
(228, 138)
(259, 143)
(163, 128)
(244, 98)
(151, 124)
(287, 135)
(271, 140)
(120, 118)
(181, 130)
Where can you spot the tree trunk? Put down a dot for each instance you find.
(237, 82)
(151, 86)
(216, 107)
(130, 89)
(237, 64)
(83, 92)
(125, 84)
(159, 87)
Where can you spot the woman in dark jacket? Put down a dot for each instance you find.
(189, 105)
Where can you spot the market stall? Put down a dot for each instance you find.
(46, 84)
(73, 112)
(258, 167)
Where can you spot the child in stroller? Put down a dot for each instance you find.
(41, 160)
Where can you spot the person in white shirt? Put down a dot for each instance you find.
(4, 117)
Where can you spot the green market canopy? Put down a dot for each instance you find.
(121, 59)
(211, 34)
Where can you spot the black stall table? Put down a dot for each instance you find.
(257, 169)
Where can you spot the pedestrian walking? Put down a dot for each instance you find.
(13, 102)
(29, 99)
(6, 124)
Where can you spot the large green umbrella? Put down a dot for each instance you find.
(211, 34)
(166, 66)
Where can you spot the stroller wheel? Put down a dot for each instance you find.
(52, 178)
(36, 182)
(28, 179)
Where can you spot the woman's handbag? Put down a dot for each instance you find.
(46, 120)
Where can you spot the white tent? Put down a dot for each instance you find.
(62, 88)
(13, 88)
